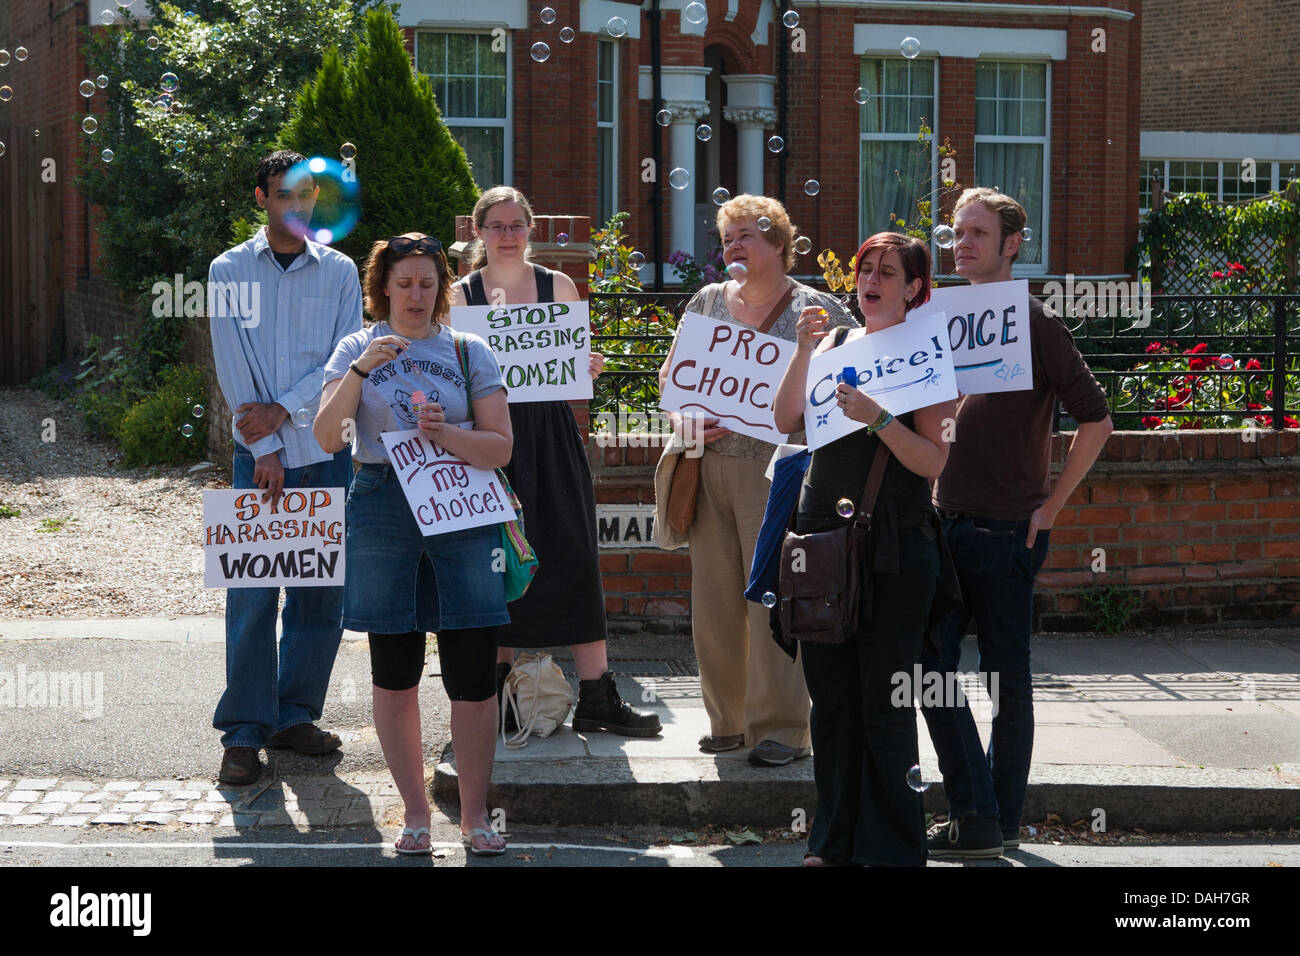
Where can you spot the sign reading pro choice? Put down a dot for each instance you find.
(542, 348)
(727, 371)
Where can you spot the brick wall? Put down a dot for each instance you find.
(1215, 66)
(1204, 527)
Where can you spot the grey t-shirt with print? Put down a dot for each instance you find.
(429, 365)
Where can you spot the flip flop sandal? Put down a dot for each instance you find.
(415, 838)
(486, 835)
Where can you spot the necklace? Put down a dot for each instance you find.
(769, 298)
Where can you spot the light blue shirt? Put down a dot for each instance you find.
(273, 331)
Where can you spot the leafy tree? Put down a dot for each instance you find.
(412, 173)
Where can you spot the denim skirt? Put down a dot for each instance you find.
(397, 580)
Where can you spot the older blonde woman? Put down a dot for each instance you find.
(754, 694)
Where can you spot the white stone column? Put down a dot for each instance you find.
(751, 144)
(681, 202)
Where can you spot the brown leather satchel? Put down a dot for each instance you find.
(684, 491)
(821, 574)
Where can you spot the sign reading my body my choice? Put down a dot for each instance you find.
(729, 372)
(543, 348)
(988, 330)
(905, 367)
(445, 493)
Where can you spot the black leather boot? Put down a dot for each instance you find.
(600, 708)
(503, 671)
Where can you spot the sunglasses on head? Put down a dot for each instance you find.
(402, 245)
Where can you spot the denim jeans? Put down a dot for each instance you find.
(262, 699)
(997, 574)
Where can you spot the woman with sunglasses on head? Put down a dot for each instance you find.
(864, 738)
(399, 585)
(565, 604)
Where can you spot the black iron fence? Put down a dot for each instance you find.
(1187, 361)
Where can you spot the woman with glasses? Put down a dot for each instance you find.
(399, 585)
(565, 604)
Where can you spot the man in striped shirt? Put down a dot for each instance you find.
(277, 306)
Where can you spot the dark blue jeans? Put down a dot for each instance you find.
(997, 574)
(264, 696)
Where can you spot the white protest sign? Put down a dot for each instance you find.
(445, 493)
(988, 331)
(729, 372)
(295, 542)
(544, 349)
(904, 367)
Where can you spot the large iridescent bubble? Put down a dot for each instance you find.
(338, 203)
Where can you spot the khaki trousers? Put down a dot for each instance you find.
(750, 686)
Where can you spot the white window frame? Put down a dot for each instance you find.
(612, 47)
(506, 122)
(1275, 179)
(1043, 237)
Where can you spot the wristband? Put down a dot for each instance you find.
(883, 419)
(354, 368)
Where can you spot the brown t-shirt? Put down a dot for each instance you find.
(1001, 454)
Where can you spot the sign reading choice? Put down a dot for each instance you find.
(988, 330)
(729, 372)
(251, 543)
(543, 348)
(445, 493)
(905, 367)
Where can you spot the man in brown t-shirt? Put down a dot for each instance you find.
(998, 509)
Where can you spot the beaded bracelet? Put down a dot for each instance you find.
(881, 421)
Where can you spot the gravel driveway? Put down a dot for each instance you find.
(92, 540)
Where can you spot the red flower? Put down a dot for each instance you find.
(1181, 398)
(1196, 349)
(1265, 421)
(1150, 421)
(1268, 395)
(1252, 365)
(1198, 364)
(1183, 426)
(1155, 347)
(1290, 422)
(1254, 406)
(1160, 403)
(1218, 275)
(1236, 267)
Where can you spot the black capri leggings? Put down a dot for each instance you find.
(468, 657)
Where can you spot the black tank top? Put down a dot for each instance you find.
(475, 294)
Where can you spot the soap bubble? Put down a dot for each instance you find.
(1226, 361)
(1027, 234)
(910, 47)
(617, 27)
(87, 88)
(4, 57)
(151, 43)
(348, 151)
(721, 195)
(803, 245)
(566, 34)
(338, 205)
(20, 53)
(163, 102)
(791, 19)
(845, 507)
(106, 155)
(101, 81)
(89, 124)
(695, 13)
(769, 599)
(179, 145)
(775, 144)
(254, 112)
(107, 18)
(548, 15)
(252, 15)
(6, 94)
(739, 272)
(914, 780)
(562, 240)
(187, 430)
(541, 52)
(664, 117)
(197, 411)
(302, 417)
(679, 178)
(812, 187)
(36, 132)
(2, 149)
(860, 96)
(169, 82)
(945, 237)
(764, 223)
(704, 132)
(636, 259)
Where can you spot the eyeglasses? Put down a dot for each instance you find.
(500, 229)
(402, 245)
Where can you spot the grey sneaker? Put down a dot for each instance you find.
(1011, 842)
(965, 838)
(769, 753)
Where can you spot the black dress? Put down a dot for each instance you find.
(565, 604)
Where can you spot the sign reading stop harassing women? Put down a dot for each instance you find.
(904, 367)
(988, 332)
(543, 349)
(729, 372)
(295, 542)
(445, 492)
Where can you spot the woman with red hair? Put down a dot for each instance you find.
(863, 734)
